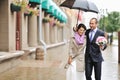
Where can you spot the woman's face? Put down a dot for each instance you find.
(81, 31)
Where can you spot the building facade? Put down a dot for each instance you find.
(20, 31)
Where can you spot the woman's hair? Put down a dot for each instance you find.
(81, 25)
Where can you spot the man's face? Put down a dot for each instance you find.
(93, 24)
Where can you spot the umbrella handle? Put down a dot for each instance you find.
(77, 18)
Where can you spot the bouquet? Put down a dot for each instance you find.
(101, 40)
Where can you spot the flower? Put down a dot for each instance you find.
(101, 40)
(31, 11)
(46, 19)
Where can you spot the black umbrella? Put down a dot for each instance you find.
(92, 7)
(84, 5)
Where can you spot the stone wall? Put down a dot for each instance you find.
(4, 25)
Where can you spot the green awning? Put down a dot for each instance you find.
(55, 14)
(50, 7)
(45, 4)
(61, 16)
(35, 1)
(64, 17)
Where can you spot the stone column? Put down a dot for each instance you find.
(56, 34)
(62, 38)
(32, 31)
(52, 30)
(24, 32)
(11, 33)
(60, 34)
(52, 35)
(47, 30)
(64, 31)
(42, 28)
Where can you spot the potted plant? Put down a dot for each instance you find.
(18, 5)
(34, 3)
(46, 19)
(31, 11)
(14, 7)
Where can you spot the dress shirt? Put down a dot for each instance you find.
(92, 32)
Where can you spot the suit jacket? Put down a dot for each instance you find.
(93, 52)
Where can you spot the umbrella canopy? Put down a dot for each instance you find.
(81, 5)
(92, 7)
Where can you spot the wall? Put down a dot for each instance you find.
(4, 25)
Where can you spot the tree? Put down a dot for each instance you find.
(110, 23)
(113, 22)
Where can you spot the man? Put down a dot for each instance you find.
(93, 55)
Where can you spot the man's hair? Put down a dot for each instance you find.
(95, 20)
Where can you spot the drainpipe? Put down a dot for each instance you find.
(40, 29)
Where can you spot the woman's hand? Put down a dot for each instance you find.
(69, 59)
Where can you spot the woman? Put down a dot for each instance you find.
(77, 45)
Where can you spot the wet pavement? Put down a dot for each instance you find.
(110, 67)
(35, 70)
(53, 70)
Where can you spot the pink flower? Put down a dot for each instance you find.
(101, 40)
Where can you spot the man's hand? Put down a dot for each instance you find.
(103, 47)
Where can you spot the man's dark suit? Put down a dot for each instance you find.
(93, 56)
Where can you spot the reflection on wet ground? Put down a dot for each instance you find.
(28, 73)
(36, 70)
(110, 67)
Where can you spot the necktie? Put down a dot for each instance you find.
(91, 36)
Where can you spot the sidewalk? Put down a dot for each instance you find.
(110, 67)
(49, 70)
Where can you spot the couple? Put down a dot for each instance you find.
(93, 56)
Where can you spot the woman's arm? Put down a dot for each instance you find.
(70, 53)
